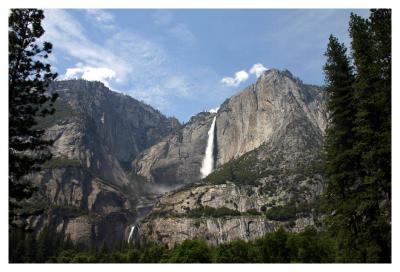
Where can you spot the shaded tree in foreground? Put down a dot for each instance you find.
(28, 78)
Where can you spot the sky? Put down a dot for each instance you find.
(186, 61)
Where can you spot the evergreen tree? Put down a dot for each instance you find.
(358, 148)
(191, 251)
(16, 245)
(371, 50)
(42, 250)
(30, 248)
(341, 160)
(29, 76)
(234, 252)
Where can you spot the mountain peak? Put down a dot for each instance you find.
(275, 73)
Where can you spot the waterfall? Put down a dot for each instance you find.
(208, 161)
(130, 233)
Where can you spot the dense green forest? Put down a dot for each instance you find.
(309, 246)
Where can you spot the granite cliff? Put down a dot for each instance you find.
(268, 173)
(87, 190)
(278, 110)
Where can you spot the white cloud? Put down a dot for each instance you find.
(101, 74)
(258, 69)
(235, 81)
(100, 16)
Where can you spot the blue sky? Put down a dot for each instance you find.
(186, 61)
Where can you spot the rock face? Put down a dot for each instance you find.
(222, 195)
(173, 231)
(268, 140)
(176, 159)
(278, 109)
(89, 193)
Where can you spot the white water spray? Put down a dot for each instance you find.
(130, 233)
(208, 161)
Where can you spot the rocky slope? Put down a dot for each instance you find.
(244, 199)
(172, 231)
(86, 190)
(267, 150)
(218, 214)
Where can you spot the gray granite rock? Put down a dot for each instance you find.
(97, 132)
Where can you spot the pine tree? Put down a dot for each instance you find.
(30, 248)
(29, 76)
(358, 148)
(371, 50)
(341, 160)
(16, 250)
(45, 245)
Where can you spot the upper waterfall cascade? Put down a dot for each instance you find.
(208, 162)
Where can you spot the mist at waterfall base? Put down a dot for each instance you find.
(208, 161)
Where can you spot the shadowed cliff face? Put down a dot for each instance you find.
(89, 193)
(176, 159)
(119, 123)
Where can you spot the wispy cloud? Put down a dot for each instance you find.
(69, 36)
(164, 91)
(172, 28)
(102, 19)
(129, 55)
(100, 16)
(162, 17)
(183, 33)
